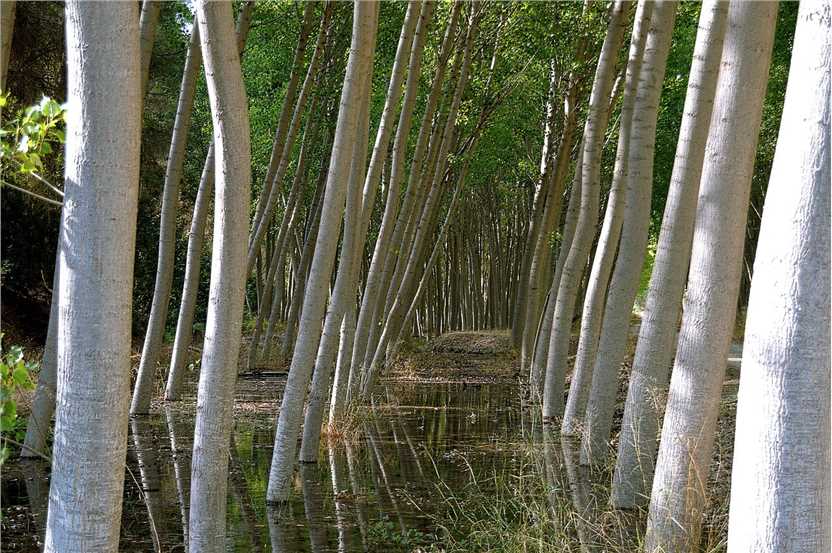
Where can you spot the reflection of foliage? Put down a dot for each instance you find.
(28, 138)
(14, 377)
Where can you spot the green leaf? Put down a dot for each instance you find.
(21, 376)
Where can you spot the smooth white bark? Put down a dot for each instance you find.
(7, 10)
(780, 474)
(683, 463)
(365, 20)
(223, 328)
(635, 229)
(96, 277)
(657, 336)
(573, 269)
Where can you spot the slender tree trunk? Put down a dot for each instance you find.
(155, 333)
(96, 266)
(285, 113)
(780, 475)
(220, 355)
(538, 366)
(594, 130)
(196, 238)
(193, 257)
(372, 315)
(679, 493)
(393, 325)
(343, 292)
(626, 276)
(605, 250)
(7, 10)
(259, 232)
(39, 423)
(341, 383)
(656, 343)
(148, 22)
(365, 20)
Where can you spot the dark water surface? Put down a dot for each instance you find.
(422, 442)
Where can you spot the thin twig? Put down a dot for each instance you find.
(38, 196)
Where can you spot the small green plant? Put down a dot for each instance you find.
(14, 377)
(387, 534)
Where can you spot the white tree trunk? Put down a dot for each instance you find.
(657, 336)
(39, 423)
(602, 261)
(96, 277)
(148, 22)
(780, 474)
(371, 316)
(573, 269)
(682, 466)
(154, 336)
(7, 10)
(365, 20)
(626, 276)
(220, 354)
(196, 237)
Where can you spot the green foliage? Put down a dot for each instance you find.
(14, 378)
(31, 134)
(387, 534)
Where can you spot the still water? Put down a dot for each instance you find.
(378, 493)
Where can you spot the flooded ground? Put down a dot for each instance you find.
(434, 447)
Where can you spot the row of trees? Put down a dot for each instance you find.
(428, 261)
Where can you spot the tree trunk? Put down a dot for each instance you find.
(626, 276)
(780, 474)
(190, 286)
(657, 336)
(605, 250)
(155, 333)
(43, 406)
(594, 130)
(7, 10)
(365, 20)
(679, 493)
(148, 22)
(220, 355)
(196, 237)
(96, 282)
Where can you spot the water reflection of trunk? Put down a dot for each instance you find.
(181, 468)
(239, 487)
(382, 481)
(358, 493)
(313, 505)
(36, 473)
(146, 445)
(582, 501)
(278, 516)
(340, 486)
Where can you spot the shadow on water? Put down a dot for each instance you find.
(381, 492)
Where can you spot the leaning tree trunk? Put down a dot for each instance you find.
(155, 333)
(96, 283)
(656, 343)
(39, 422)
(679, 492)
(196, 237)
(635, 229)
(7, 10)
(365, 20)
(573, 269)
(215, 399)
(604, 257)
(780, 474)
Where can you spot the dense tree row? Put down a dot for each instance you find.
(428, 166)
